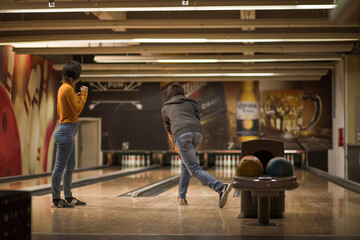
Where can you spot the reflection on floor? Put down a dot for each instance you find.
(317, 208)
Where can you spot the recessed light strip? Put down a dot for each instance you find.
(93, 42)
(114, 59)
(187, 8)
(185, 75)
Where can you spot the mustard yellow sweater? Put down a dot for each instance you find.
(69, 105)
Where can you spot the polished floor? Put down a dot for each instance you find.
(20, 184)
(318, 209)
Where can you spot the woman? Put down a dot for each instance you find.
(69, 107)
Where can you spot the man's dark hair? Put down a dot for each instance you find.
(71, 70)
(174, 89)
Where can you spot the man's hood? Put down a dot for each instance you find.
(179, 99)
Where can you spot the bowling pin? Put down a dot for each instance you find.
(148, 160)
(172, 161)
(34, 163)
(126, 160)
(23, 120)
(142, 160)
(220, 170)
(42, 121)
(137, 161)
(133, 159)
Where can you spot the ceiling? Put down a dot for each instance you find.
(167, 40)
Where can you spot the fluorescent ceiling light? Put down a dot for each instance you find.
(279, 60)
(182, 8)
(187, 61)
(185, 75)
(122, 59)
(98, 42)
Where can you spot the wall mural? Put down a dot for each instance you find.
(28, 90)
(298, 113)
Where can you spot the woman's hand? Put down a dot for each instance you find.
(84, 88)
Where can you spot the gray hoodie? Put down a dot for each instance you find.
(180, 115)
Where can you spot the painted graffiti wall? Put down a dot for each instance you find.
(28, 90)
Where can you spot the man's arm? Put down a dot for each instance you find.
(167, 128)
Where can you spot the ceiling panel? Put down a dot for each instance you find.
(265, 36)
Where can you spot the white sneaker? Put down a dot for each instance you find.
(223, 194)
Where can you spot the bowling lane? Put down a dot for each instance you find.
(104, 208)
(16, 185)
(317, 207)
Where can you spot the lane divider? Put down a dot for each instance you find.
(46, 188)
(153, 189)
(157, 188)
(46, 174)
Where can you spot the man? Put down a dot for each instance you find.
(182, 123)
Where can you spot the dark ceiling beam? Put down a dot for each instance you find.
(169, 23)
(227, 66)
(199, 79)
(190, 48)
(293, 36)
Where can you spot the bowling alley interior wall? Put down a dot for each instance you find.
(126, 126)
(230, 112)
(28, 115)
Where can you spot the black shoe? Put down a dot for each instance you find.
(223, 194)
(182, 201)
(75, 201)
(61, 203)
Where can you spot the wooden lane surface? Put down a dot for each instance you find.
(317, 207)
(16, 185)
(102, 199)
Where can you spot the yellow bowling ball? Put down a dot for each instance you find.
(249, 166)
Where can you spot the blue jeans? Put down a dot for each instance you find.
(65, 159)
(187, 144)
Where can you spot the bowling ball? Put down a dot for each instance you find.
(279, 167)
(249, 166)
